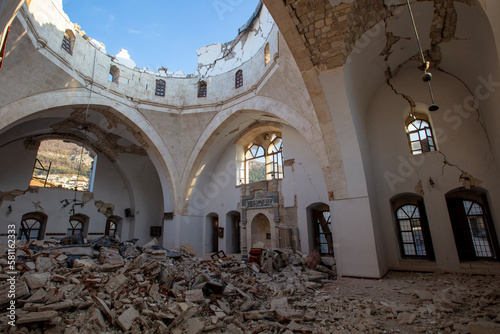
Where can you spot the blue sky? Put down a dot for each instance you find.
(160, 33)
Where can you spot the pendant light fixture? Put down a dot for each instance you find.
(427, 77)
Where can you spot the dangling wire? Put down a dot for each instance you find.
(84, 134)
(425, 64)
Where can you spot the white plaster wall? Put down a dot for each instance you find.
(142, 186)
(363, 221)
(14, 165)
(462, 142)
(130, 183)
(304, 181)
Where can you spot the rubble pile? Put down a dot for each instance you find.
(107, 286)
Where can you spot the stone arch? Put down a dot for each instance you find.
(14, 113)
(309, 130)
(260, 231)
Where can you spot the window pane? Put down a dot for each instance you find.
(401, 214)
(409, 210)
(414, 136)
(407, 237)
(419, 242)
(405, 225)
(422, 134)
(476, 210)
(409, 249)
(415, 145)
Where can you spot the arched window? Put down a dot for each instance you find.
(473, 228)
(275, 160)
(238, 79)
(114, 74)
(32, 226)
(202, 89)
(160, 87)
(264, 158)
(78, 225)
(255, 164)
(267, 54)
(68, 41)
(420, 136)
(112, 227)
(63, 164)
(412, 228)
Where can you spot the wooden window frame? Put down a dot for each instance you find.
(427, 144)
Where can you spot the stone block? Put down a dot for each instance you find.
(116, 283)
(37, 280)
(127, 318)
(195, 296)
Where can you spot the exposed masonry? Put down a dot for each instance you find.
(100, 138)
(331, 32)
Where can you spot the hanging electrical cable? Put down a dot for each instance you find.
(427, 77)
(75, 202)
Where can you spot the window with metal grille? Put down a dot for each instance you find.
(202, 89)
(238, 79)
(478, 229)
(77, 225)
(412, 228)
(160, 88)
(32, 226)
(473, 228)
(324, 231)
(111, 227)
(420, 137)
(68, 41)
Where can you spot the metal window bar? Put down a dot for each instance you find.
(43, 169)
(66, 44)
(478, 229)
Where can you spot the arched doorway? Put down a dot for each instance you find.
(211, 235)
(261, 231)
(233, 245)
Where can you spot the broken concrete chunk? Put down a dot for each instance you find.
(194, 326)
(36, 280)
(116, 283)
(44, 264)
(195, 296)
(127, 318)
(103, 307)
(36, 317)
